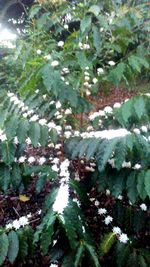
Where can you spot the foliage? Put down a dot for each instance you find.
(67, 52)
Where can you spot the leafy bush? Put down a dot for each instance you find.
(96, 176)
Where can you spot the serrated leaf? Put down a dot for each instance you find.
(4, 243)
(13, 248)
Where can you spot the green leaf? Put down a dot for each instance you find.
(139, 106)
(82, 60)
(54, 136)
(4, 243)
(11, 126)
(34, 133)
(95, 9)
(79, 255)
(131, 187)
(22, 131)
(141, 185)
(85, 24)
(13, 248)
(105, 152)
(116, 75)
(147, 183)
(8, 152)
(34, 11)
(107, 242)
(92, 254)
(44, 135)
(97, 38)
(40, 182)
(46, 237)
(16, 175)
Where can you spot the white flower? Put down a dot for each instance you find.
(67, 134)
(107, 192)
(86, 73)
(55, 168)
(42, 121)
(28, 141)
(25, 115)
(143, 207)
(9, 226)
(3, 137)
(55, 160)
(16, 224)
(60, 44)
(102, 211)
(137, 166)
(39, 212)
(22, 159)
(88, 92)
(34, 118)
(120, 197)
(53, 265)
(136, 131)
(86, 46)
(38, 52)
(96, 203)
(47, 57)
(108, 109)
(9, 94)
(62, 198)
(29, 215)
(91, 169)
(144, 129)
(117, 105)
(31, 159)
(23, 221)
(95, 80)
(54, 63)
(108, 220)
(116, 230)
(100, 71)
(42, 160)
(58, 105)
(111, 63)
(66, 27)
(93, 116)
(68, 111)
(126, 164)
(123, 238)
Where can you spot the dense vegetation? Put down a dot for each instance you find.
(90, 169)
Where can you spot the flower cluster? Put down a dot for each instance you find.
(62, 197)
(122, 237)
